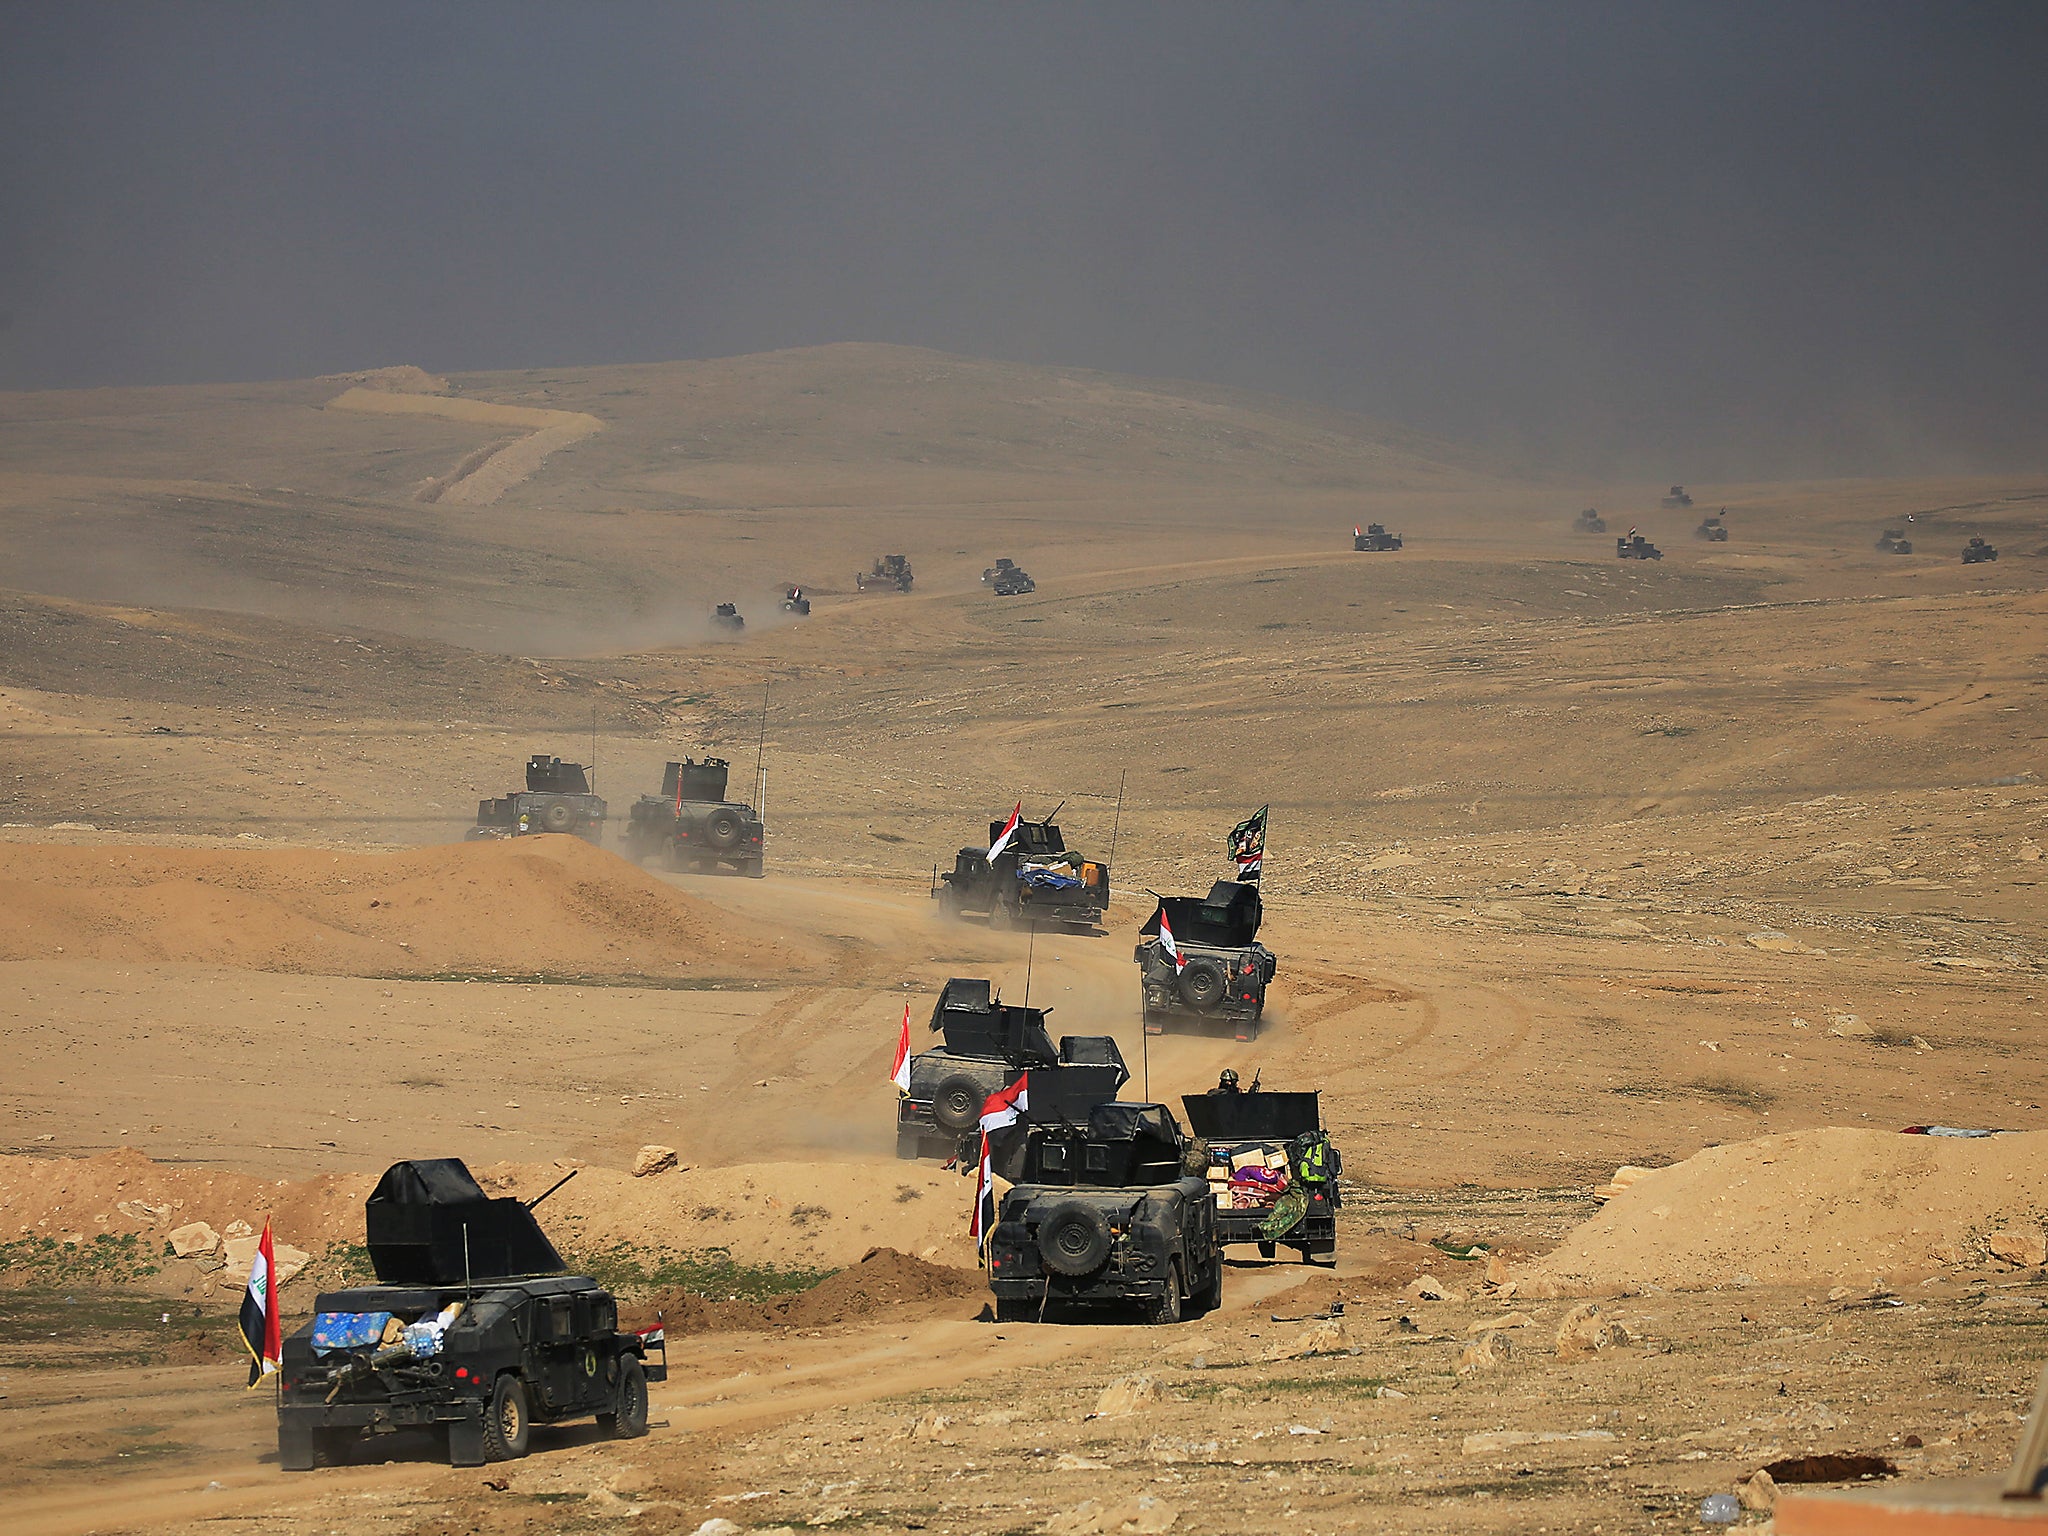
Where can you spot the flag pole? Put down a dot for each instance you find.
(1030, 949)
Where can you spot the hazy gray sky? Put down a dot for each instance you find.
(1713, 238)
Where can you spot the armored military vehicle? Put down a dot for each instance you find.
(794, 601)
(1375, 537)
(1636, 547)
(557, 799)
(1675, 500)
(1589, 521)
(1712, 529)
(1977, 551)
(1102, 1210)
(473, 1330)
(987, 1042)
(727, 616)
(1893, 541)
(890, 573)
(1215, 971)
(1014, 582)
(1251, 1136)
(1003, 563)
(1034, 879)
(693, 826)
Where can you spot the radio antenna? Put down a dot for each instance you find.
(760, 756)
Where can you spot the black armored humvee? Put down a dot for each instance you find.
(1675, 500)
(1013, 582)
(472, 1329)
(727, 616)
(987, 1043)
(557, 799)
(1034, 879)
(1003, 563)
(1976, 552)
(1589, 521)
(1636, 547)
(1893, 541)
(1102, 1210)
(1712, 529)
(693, 825)
(890, 573)
(1262, 1127)
(1375, 537)
(794, 601)
(1223, 970)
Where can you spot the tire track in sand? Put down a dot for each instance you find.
(485, 474)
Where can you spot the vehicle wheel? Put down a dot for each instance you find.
(722, 828)
(1211, 1295)
(957, 1104)
(1074, 1240)
(1167, 1308)
(508, 1421)
(1202, 984)
(1019, 1310)
(628, 1418)
(557, 816)
(909, 1143)
(1268, 1250)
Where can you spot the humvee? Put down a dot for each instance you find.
(1102, 1210)
(693, 825)
(1003, 563)
(1977, 551)
(557, 799)
(1014, 582)
(987, 1043)
(1712, 529)
(1589, 521)
(794, 601)
(1258, 1122)
(727, 616)
(472, 1329)
(1636, 547)
(889, 573)
(1224, 971)
(1893, 541)
(1675, 500)
(1035, 878)
(1375, 537)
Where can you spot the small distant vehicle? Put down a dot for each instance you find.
(693, 826)
(1893, 541)
(473, 1329)
(727, 616)
(1003, 563)
(794, 601)
(1636, 547)
(1267, 1130)
(890, 573)
(1374, 537)
(1014, 582)
(557, 799)
(1589, 521)
(1034, 879)
(1712, 529)
(1977, 551)
(1675, 500)
(1104, 1209)
(987, 1042)
(1223, 970)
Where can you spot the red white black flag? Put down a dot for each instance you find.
(1009, 831)
(900, 1073)
(1001, 1109)
(262, 1328)
(1167, 947)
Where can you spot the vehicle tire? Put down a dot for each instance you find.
(1268, 1250)
(628, 1418)
(508, 1420)
(557, 816)
(1167, 1308)
(1203, 984)
(957, 1104)
(1074, 1240)
(1210, 1297)
(722, 829)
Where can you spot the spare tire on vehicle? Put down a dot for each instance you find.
(1203, 983)
(557, 816)
(722, 828)
(1074, 1240)
(957, 1104)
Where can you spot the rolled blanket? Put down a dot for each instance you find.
(1287, 1213)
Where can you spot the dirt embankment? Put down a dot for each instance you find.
(552, 905)
(1811, 1207)
(883, 1281)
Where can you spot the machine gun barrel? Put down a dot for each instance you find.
(565, 1178)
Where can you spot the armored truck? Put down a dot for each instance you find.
(1712, 529)
(693, 826)
(1034, 879)
(889, 573)
(473, 1330)
(1014, 582)
(794, 601)
(1893, 541)
(1253, 1136)
(1675, 500)
(1589, 521)
(727, 616)
(557, 799)
(987, 1042)
(1222, 972)
(1103, 1209)
(1976, 552)
(1003, 563)
(1375, 538)
(1636, 547)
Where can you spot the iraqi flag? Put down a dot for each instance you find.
(900, 1073)
(1248, 846)
(1167, 947)
(262, 1328)
(1009, 831)
(1357, 532)
(1001, 1109)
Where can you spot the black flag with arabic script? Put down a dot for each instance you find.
(1248, 846)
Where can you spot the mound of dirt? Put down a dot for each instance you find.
(534, 906)
(1809, 1207)
(883, 1281)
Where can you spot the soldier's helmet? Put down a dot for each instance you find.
(1228, 1079)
